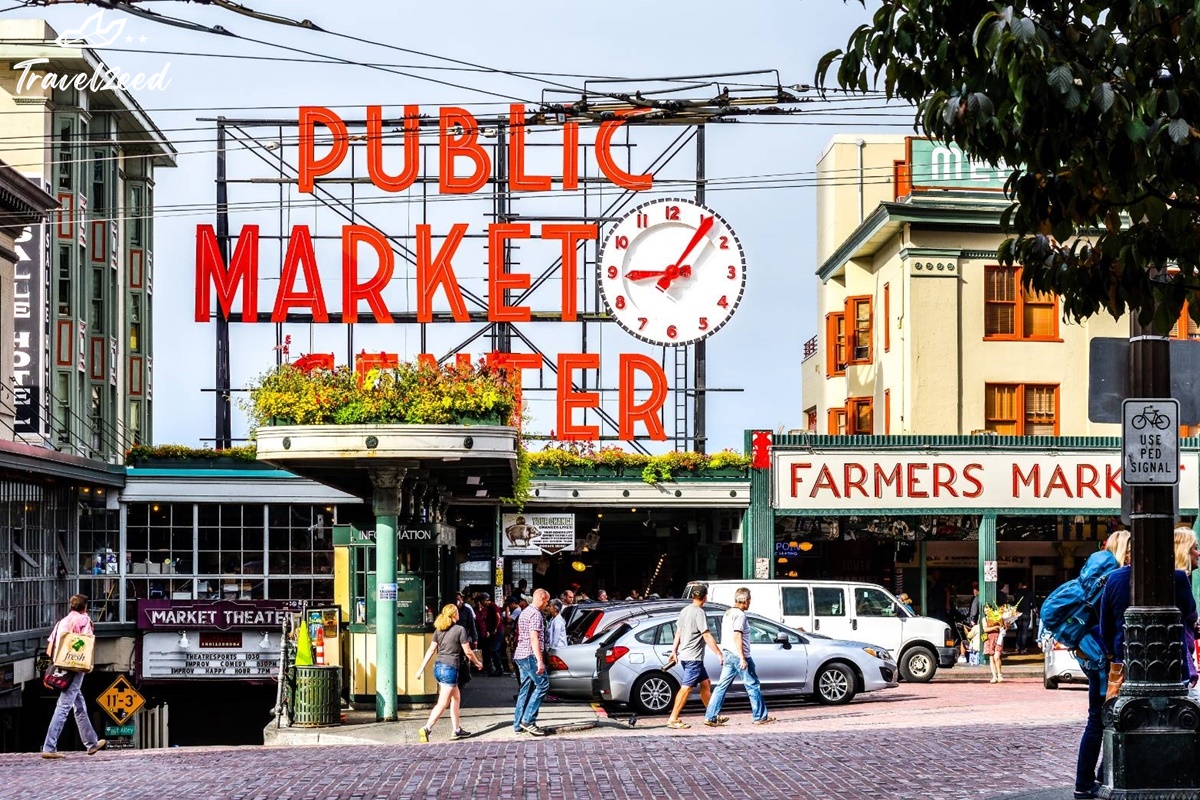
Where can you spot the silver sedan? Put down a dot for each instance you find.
(631, 664)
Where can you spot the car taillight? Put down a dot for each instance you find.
(557, 663)
(949, 637)
(614, 654)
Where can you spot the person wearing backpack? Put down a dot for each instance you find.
(1097, 569)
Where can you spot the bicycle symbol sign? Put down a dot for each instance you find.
(1150, 442)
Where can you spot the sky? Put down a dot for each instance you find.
(755, 360)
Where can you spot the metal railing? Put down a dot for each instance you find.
(810, 348)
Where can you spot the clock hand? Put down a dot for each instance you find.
(643, 274)
(665, 281)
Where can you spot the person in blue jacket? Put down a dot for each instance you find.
(1115, 601)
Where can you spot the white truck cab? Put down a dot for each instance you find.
(864, 612)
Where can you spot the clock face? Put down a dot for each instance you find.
(672, 272)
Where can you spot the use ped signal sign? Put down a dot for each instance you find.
(1150, 442)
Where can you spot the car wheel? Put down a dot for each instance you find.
(918, 665)
(1051, 683)
(835, 685)
(653, 693)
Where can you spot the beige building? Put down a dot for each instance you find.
(82, 367)
(921, 331)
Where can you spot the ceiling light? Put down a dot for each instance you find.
(481, 492)
(474, 480)
(578, 566)
(805, 546)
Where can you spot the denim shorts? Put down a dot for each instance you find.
(445, 674)
(694, 673)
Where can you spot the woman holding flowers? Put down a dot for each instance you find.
(997, 620)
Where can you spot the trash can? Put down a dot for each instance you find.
(316, 698)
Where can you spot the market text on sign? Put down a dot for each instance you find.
(943, 480)
(300, 285)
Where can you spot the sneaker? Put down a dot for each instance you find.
(52, 754)
(722, 720)
(766, 720)
(461, 734)
(533, 730)
(714, 723)
(423, 735)
(97, 747)
(518, 730)
(678, 725)
(1087, 794)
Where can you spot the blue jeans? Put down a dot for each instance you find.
(1093, 731)
(70, 700)
(732, 668)
(532, 692)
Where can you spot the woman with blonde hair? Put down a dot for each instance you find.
(450, 642)
(1187, 552)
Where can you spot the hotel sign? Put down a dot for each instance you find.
(840, 482)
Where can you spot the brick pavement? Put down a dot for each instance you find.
(945, 763)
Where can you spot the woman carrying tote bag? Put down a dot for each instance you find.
(76, 621)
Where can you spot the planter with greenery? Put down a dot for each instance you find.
(410, 393)
(177, 455)
(584, 460)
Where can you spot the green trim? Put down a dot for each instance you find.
(201, 472)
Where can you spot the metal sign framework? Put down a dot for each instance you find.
(263, 155)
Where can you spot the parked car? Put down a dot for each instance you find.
(851, 610)
(573, 668)
(631, 663)
(1061, 665)
(586, 620)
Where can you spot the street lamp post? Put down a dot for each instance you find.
(1152, 728)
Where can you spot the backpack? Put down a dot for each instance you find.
(1071, 612)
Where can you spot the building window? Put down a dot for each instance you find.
(135, 421)
(837, 422)
(1185, 327)
(137, 213)
(835, 340)
(858, 310)
(810, 420)
(64, 280)
(860, 416)
(135, 323)
(1013, 312)
(1018, 409)
(64, 155)
(887, 317)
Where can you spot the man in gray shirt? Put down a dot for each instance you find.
(691, 636)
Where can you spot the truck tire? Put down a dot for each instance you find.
(918, 665)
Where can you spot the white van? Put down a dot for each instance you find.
(863, 612)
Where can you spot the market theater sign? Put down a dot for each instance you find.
(921, 480)
(300, 282)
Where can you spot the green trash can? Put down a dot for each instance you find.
(316, 697)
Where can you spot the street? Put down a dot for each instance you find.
(947, 739)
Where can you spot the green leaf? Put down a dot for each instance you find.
(1024, 30)
(1061, 79)
(1135, 129)
(1102, 96)
(979, 105)
(1179, 131)
(984, 23)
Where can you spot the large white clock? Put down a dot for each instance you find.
(672, 272)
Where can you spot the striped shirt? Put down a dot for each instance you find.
(531, 620)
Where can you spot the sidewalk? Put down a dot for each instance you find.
(487, 712)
